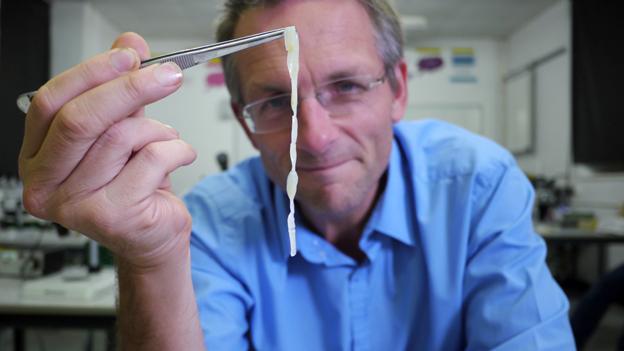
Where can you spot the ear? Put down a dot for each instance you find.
(400, 94)
(238, 112)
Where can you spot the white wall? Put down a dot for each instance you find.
(78, 32)
(547, 32)
(203, 117)
(434, 93)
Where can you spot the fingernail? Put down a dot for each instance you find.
(168, 74)
(123, 60)
(172, 129)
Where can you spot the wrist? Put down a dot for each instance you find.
(157, 306)
(171, 254)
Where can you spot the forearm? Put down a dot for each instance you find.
(157, 307)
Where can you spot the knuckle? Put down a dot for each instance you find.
(152, 153)
(33, 201)
(43, 102)
(115, 136)
(188, 150)
(132, 87)
(150, 219)
(88, 71)
(71, 121)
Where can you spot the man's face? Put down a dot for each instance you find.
(340, 160)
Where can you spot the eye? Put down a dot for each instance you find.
(347, 87)
(274, 107)
(276, 103)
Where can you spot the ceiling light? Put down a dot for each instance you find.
(413, 22)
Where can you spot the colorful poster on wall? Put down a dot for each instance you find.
(214, 76)
(463, 63)
(429, 59)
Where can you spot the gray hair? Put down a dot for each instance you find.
(388, 37)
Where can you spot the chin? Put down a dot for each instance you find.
(335, 198)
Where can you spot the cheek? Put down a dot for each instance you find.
(379, 143)
(274, 153)
(373, 132)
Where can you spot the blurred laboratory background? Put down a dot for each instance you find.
(540, 77)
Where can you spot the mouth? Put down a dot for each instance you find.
(319, 168)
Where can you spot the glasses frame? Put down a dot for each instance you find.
(247, 119)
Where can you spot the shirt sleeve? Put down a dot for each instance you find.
(511, 300)
(222, 304)
(222, 299)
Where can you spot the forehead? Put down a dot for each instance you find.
(334, 37)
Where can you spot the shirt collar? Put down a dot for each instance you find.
(281, 210)
(392, 216)
(309, 245)
(393, 213)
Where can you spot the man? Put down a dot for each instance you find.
(410, 236)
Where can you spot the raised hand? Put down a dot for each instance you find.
(91, 160)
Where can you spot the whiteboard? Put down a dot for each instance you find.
(466, 115)
(518, 134)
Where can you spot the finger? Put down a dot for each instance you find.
(146, 171)
(110, 153)
(82, 120)
(66, 86)
(136, 42)
(165, 184)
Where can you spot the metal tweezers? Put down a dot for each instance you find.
(191, 57)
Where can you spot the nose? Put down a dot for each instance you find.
(317, 131)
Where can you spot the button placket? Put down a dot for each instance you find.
(359, 308)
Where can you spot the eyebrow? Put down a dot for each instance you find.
(259, 90)
(343, 74)
(262, 89)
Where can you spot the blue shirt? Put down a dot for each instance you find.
(453, 262)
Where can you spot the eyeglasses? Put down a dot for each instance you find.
(339, 97)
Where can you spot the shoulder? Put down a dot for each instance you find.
(226, 207)
(437, 150)
(240, 189)
(235, 215)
